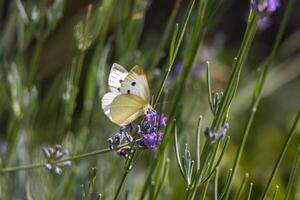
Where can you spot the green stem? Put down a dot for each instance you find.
(258, 92)
(127, 170)
(240, 150)
(170, 124)
(178, 153)
(173, 55)
(158, 51)
(198, 143)
(165, 172)
(212, 160)
(293, 176)
(216, 184)
(280, 158)
(242, 187)
(275, 192)
(250, 191)
(234, 78)
(218, 161)
(20, 168)
(76, 157)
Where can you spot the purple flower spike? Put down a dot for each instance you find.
(47, 151)
(263, 23)
(53, 155)
(215, 136)
(265, 7)
(151, 140)
(163, 120)
(151, 116)
(57, 170)
(125, 151)
(147, 134)
(64, 164)
(272, 5)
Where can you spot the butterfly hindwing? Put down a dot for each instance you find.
(107, 100)
(125, 108)
(116, 77)
(136, 83)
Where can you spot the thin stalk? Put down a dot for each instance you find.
(157, 53)
(198, 177)
(212, 160)
(227, 182)
(275, 192)
(165, 172)
(250, 191)
(234, 78)
(198, 142)
(93, 174)
(173, 55)
(22, 167)
(209, 92)
(293, 176)
(282, 154)
(240, 150)
(170, 124)
(216, 183)
(233, 82)
(178, 154)
(218, 161)
(127, 170)
(258, 91)
(242, 187)
(76, 157)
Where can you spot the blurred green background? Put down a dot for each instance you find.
(62, 104)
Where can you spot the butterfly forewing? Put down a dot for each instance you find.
(125, 108)
(136, 83)
(116, 77)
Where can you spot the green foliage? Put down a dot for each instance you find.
(41, 108)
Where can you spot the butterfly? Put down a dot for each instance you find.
(129, 96)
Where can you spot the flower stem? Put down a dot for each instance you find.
(22, 167)
(280, 158)
(127, 170)
(177, 43)
(76, 157)
(234, 78)
(293, 177)
(258, 92)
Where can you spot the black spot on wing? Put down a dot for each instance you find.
(133, 83)
(128, 91)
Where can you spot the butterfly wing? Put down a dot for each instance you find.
(136, 83)
(107, 100)
(116, 77)
(125, 108)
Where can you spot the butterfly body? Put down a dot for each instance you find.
(129, 95)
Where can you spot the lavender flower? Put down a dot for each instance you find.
(214, 136)
(54, 154)
(148, 134)
(263, 23)
(125, 151)
(265, 7)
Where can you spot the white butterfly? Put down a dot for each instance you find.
(129, 95)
